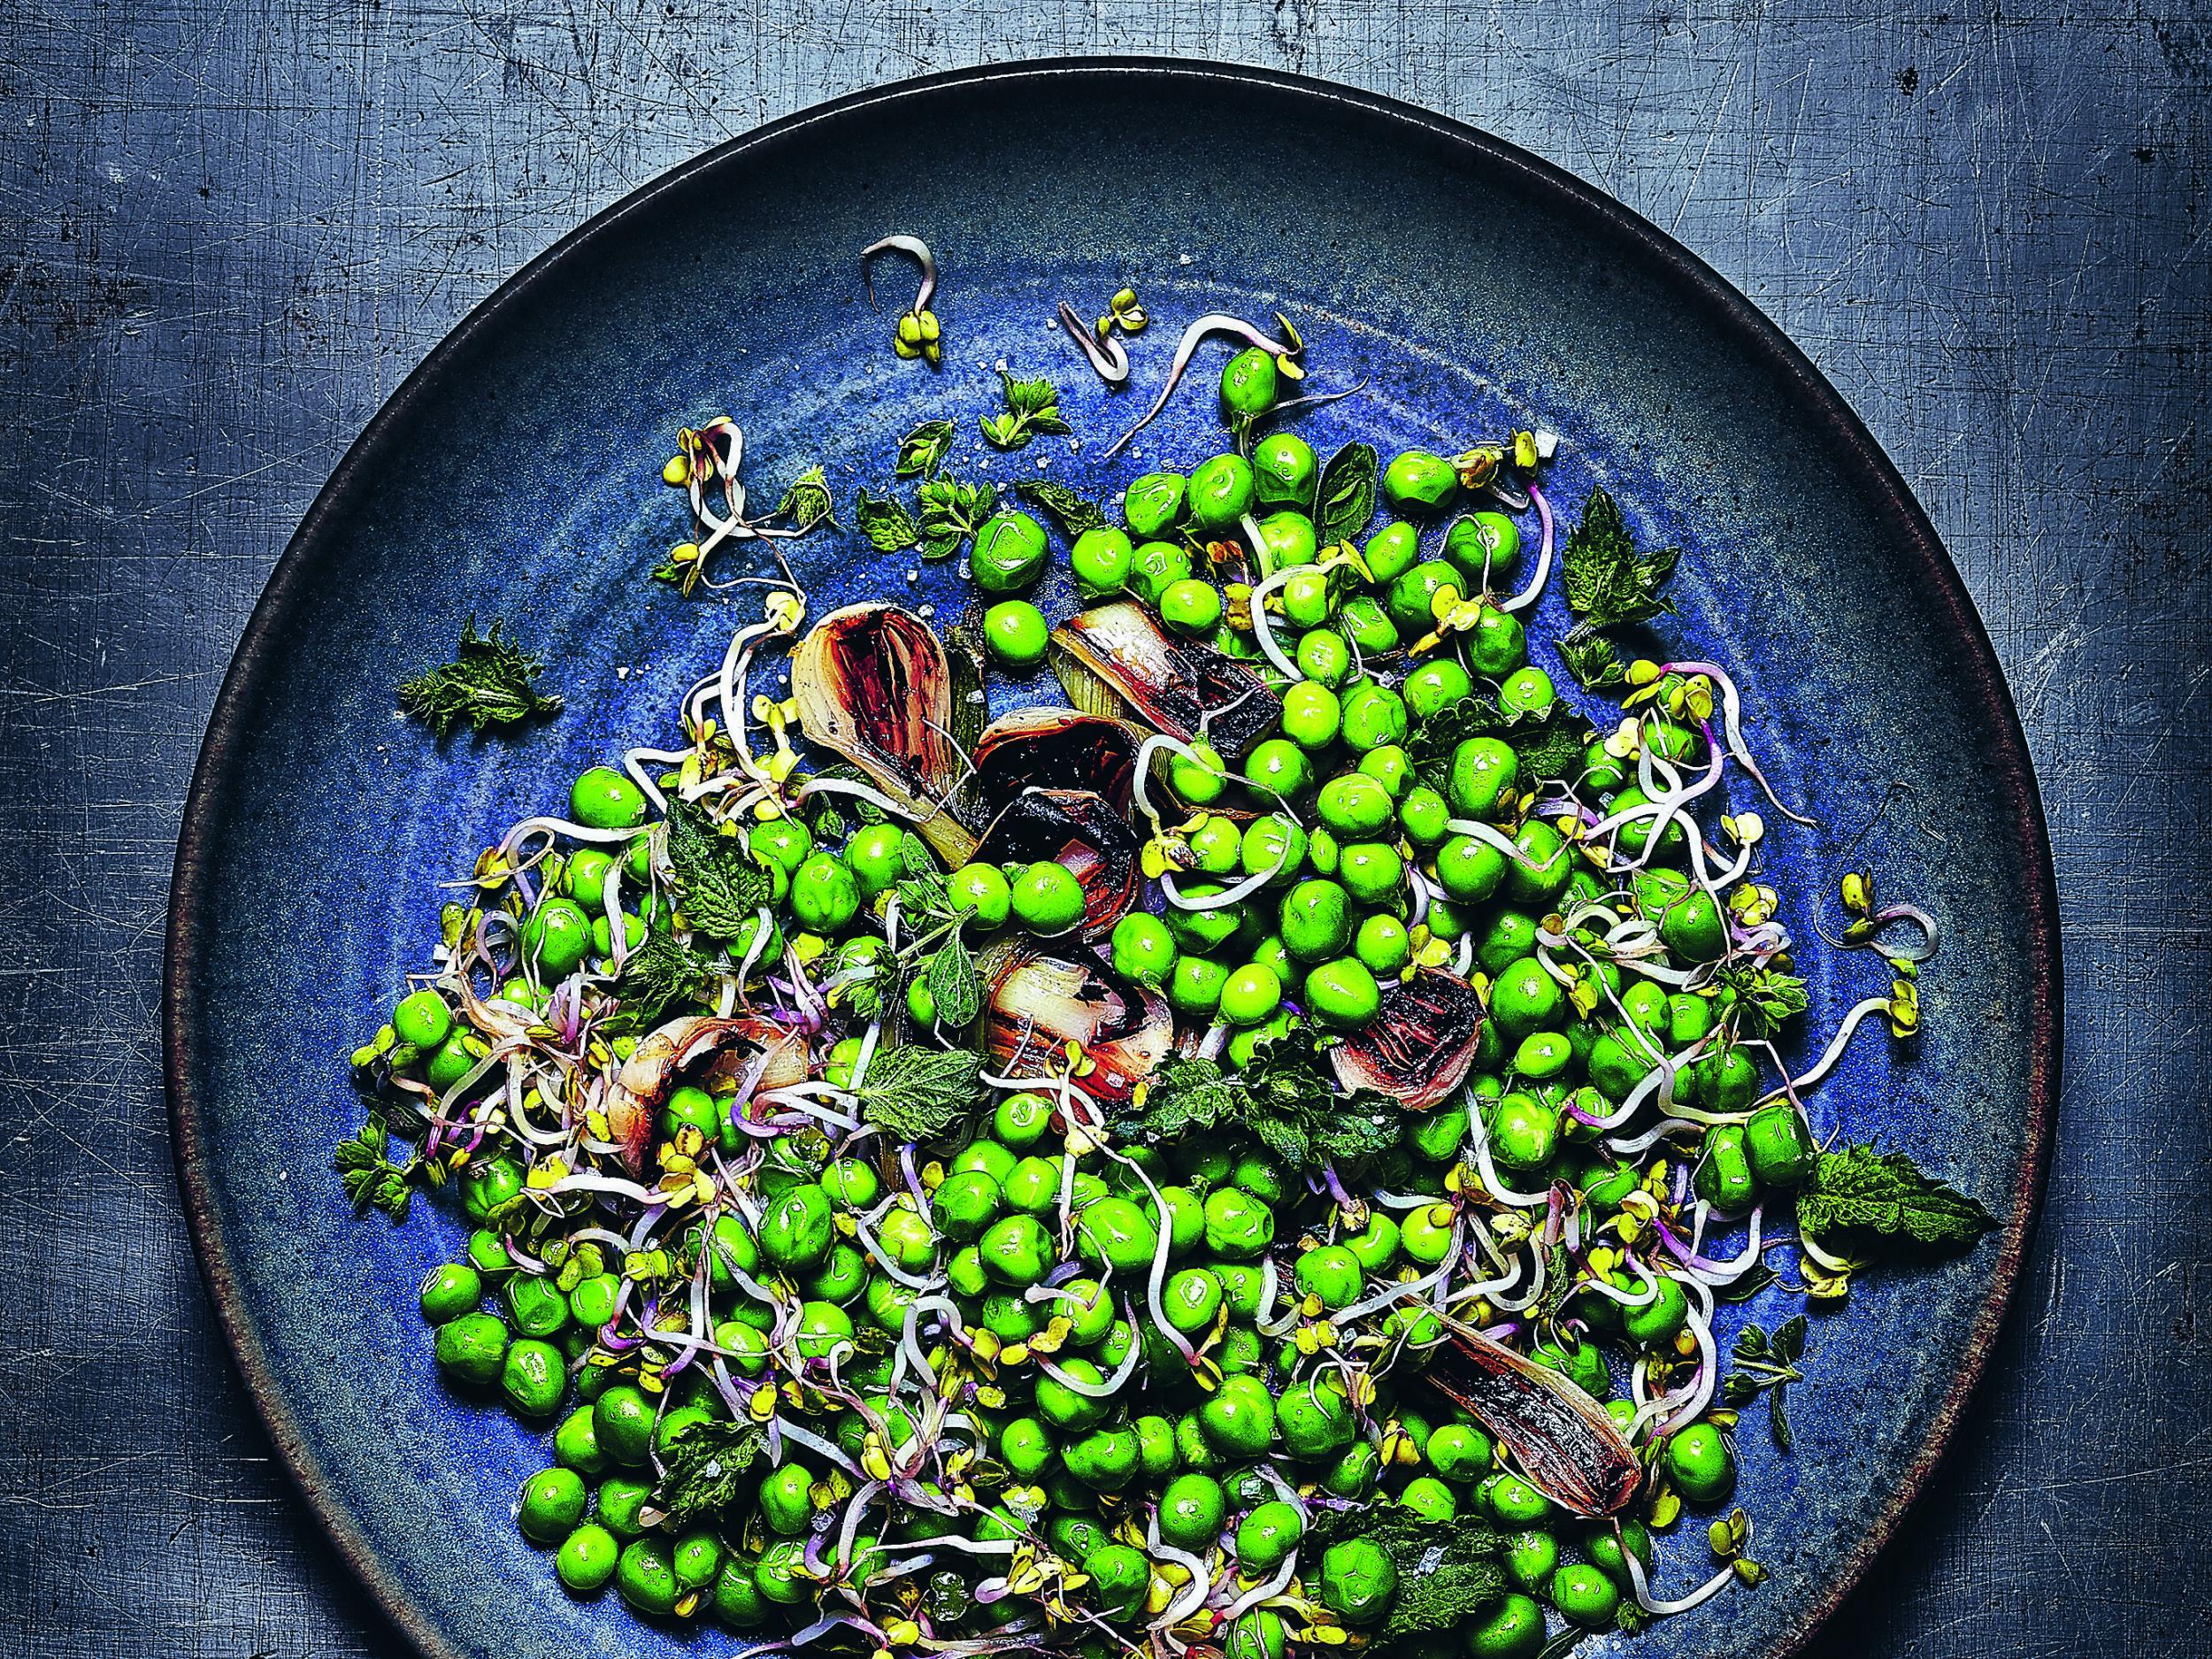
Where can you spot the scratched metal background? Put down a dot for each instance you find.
(227, 228)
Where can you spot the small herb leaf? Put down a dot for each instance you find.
(922, 448)
(490, 681)
(1345, 500)
(887, 525)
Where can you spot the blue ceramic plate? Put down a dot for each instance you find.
(1468, 288)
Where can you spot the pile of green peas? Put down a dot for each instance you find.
(1102, 1318)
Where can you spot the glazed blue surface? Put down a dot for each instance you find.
(522, 482)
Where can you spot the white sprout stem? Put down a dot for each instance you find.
(1141, 767)
(1732, 723)
(1263, 1592)
(1212, 323)
(1110, 359)
(1228, 895)
(1489, 835)
(1261, 630)
(1658, 1608)
(1411, 1287)
(915, 248)
(1700, 1325)
(1528, 594)
(818, 784)
(1832, 1053)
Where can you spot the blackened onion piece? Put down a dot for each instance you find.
(1564, 1442)
(1054, 748)
(1039, 1005)
(1079, 831)
(1177, 685)
(1420, 1047)
(872, 683)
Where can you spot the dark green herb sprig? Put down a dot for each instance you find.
(1288, 1099)
(1609, 584)
(886, 523)
(662, 974)
(923, 449)
(1766, 998)
(1345, 498)
(371, 1179)
(1768, 1365)
(1032, 410)
(1447, 1570)
(806, 502)
(1071, 511)
(951, 512)
(490, 681)
(918, 1094)
(720, 887)
(704, 1470)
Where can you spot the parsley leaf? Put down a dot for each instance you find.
(1590, 657)
(1885, 1196)
(1071, 511)
(887, 525)
(661, 973)
(807, 502)
(1606, 581)
(922, 448)
(1768, 1365)
(1446, 1569)
(1550, 748)
(1345, 500)
(1033, 410)
(720, 886)
(1765, 998)
(490, 681)
(371, 1179)
(918, 1094)
(952, 512)
(704, 1470)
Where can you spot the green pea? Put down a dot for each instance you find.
(423, 1018)
(1516, 1505)
(1383, 946)
(1238, 1419)
(535, 1306)
(1014, 631)
(1315, 921)
(586, 1559)
(1367, 628)
(1119, 1578)
(1286, 542)
(825, 893)
(1485, 545)
(1221, 491)
(1266, 1536)
(1312, 716)
(1531, 1558)
(1373, 715)
(1115, 1231)
(1278, 767)
(1155, 567)
(1046, 899)
(1064, 1407)
(1248, 382)
(1250, 994)
(1724, 1178)
(1274, 844)
(1152, 505)
(1332, 1273)
(1354, 804)
(1527, 691)
(1459, 1451)
(1780, 1145)
(1016, 1250)
(1324, 657)
(1021, 1119)
(1422, 815)
(1217, 843)
(1415, 598)
(1390, 552)
(621, 1502)
(1425, 1234)
(1314, 1419)
(1285, 471)
(450, 1291)
(1100, 559)
(1372, 871)
(1237, 1225)
(557, 937)
(603, 798)
(552, 1504)
(1511, 1628)
(1498, 643)
(1193, 989)
(472, 1348)
(1436, 684)
(795, 1227)
(1484, 770)
(1199, 783)
(1525, 997)
(1586, 1595)
(532, 1378)
(1342, 994)
(1357, 1581)
(1009, 553)
(1025, 1446)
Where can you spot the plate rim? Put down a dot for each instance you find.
(291, 582)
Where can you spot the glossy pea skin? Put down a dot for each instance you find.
(1483, 771)
(1511, 1628)
(1279, 768)
(423, 1018)
(1046, 899)
(603, 798)
(1459, 1451)
(1155, 567)
(1390, 765)
(1724, 1178)
(1584, 1595)
(1119, 1577)
(1015, 633)
(646, 1578)
(1273, 846)
(532, 1378)
(1100, 559)
(1250, 994)
(1248, 385)
(1152, 505)
(472, 1348)
(558, 938)
(1009, 553)
(1780, 1146)
(1525, 997)
(1372, 871)
(1435, 685)
(1324, 657)
(1468, 869)
(1266, 1536)
(1366, 626)
(1412, 600)
(1383, 946)
(1315, 921)
(1193, 1509)
(586, 1562)
(552, 1504)
(1497, 644)
(1422, 815)
(1374, 716)
(1331, 1274)
(1354, 805)
(450, 1291)
(1286, 542)
(1016, 1250)
(1527, 691)
(1485, 545)
(1342, 994)
(1194, 987)
(1191, 606)
(1357, 1581)
(1312, 716)
(1523, 1133)
(1285, 471)
(1221, 491)
(983, 891)
(825, 893)
(1531, 1558)
(1238, 1419)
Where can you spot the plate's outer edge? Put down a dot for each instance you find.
(294, 576)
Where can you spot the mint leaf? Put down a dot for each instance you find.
(953, 984)
(1590, 657)
(1033, 410)
(922, 448)
(1884, 1196)
(371, 1180)
(807, 502)
(662, 974)
(1345, 500)
(952, 512)
(490, 681)
(1607, 582)
(1550, 746)
(1766, 998)
(887, 525)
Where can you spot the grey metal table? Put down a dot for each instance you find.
(227, 230)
